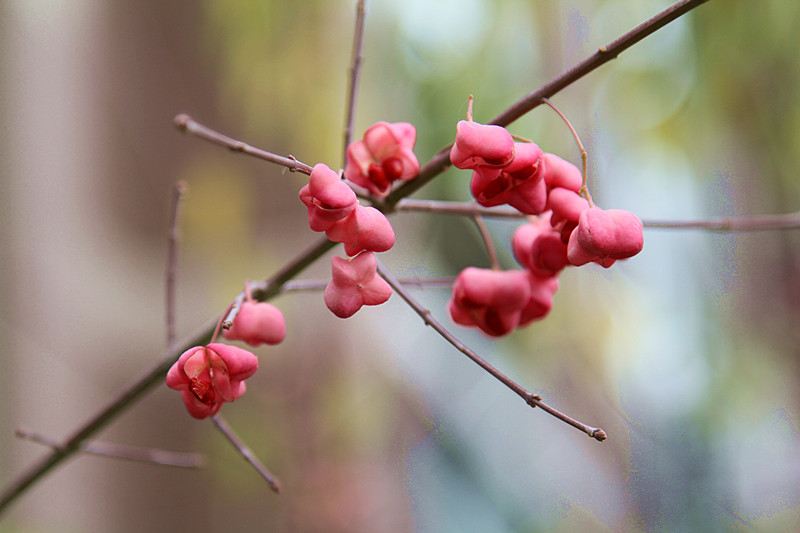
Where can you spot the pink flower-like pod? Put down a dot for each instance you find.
(539, 248)
(355, 283)
(519, 185)
(384, 155)
(365, 228)
(541, 301)
(257, 323)
(481, 145)
(560, 173)
(208, 376)
(567, 206)
(605, 236)
(327, 198)
(491, 300)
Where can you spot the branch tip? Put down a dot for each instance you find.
(181, 121)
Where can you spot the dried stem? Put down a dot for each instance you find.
(120, 451)
(488, 243)
(246, 452)
(314, 285)
(187, 124)
(584, 191)
(534, 400)
(178, 192)
(737, 224)
(355, 71)
(732, 224)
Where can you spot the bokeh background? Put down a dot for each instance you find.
(688, 355)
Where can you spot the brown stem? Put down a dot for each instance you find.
(187, 124)
(534, 400)
(355, 71)
(488, 243)
(313, 285)
(121, 451)
(584, 190)
(246, 452)
(718, 224)
(178, 192)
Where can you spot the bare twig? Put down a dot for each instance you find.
(178, 192)
(584, 191)
(187, 124)
(488, 243)
(120, 451)
(246, 452)
(735, 224)
(732, 224)
(355, 71)
(534, 400)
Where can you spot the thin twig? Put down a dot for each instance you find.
(178, 192)
(732, 224)
(488, 243)
(246, 452)
(314, 285)
(355, 71)
(120, 451)
(534, 400)
(604, 54)
(187, 124)
(584, 191)
(737, 224)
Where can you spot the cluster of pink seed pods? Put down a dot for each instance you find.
(384, 155)
(565, 228)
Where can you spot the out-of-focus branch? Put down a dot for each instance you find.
(355, 71)
(737, 224)
(121, 451)
(178, 192)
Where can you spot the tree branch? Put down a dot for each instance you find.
(534, 400)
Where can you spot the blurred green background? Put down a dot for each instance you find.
(688, 355)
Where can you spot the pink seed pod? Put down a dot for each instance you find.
(384, 155)
(605, 236)
(327, 198)
(257, 323)
(365, 228)
(541, 300)
(208, 376)
(539, 248)
(491, 300)
(519, 185)
(355, 283)
(560, 173)
(480, 145)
